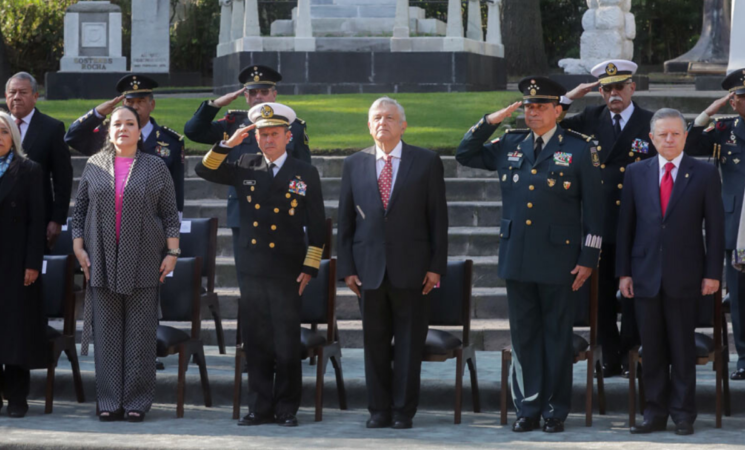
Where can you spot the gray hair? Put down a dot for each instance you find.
(24, 76)
(667, 113)
(14, 132)
(387, 101)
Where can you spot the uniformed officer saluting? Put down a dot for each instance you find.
(88, 134)
(552, 219)
(620, 130)
(724, 140)
(279, 195)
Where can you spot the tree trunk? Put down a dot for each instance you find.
(522, 35)
(4, 64)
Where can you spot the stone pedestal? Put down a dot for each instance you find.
(151, 40)
(737, 35)
(93, 38)
(710, 53)
(609, 30)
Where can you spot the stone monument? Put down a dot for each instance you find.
(93, 38)
(609, 30)
(709, 55)
(737, 52)
(151, 40)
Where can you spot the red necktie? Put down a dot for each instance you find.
(385, 180)
(19, 122)
(666, 187)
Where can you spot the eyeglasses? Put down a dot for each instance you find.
(615, 86)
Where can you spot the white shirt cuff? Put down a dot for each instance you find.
(98, 114)
(565, 100)
(702, 120)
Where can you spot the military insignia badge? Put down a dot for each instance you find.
(551, 182)
(611, 69)
(267, 112)
(514, 156)
(495, 140)
(290, 136)
(248, 197)
(504, 177)
(640, 146)
(298, 187)
(567, 185)
(561, 137)
(736, 160)
(294, 203)
(595, 157)
(291, 212)
(562, 158)
(162, 152)
(515, 178)
(732, 139)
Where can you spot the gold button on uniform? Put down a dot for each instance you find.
(274, 227)
(602, 166)
(253, 188)
(622, 169)
(530, 205)
(618, 202)
(271, 245)
(531, 187)
(288, 195)
(534, 171)
(567, 241)
(276, 210)
(631, 154)
(256, 224)
(620, 186)
(257, 206)
(528, 222)
(253, 241)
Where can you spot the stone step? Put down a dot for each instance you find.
(360, 27)
(484, 271)
(328, 167)
(462, 242)
(457, 189)
(460, 214)
(360, 10)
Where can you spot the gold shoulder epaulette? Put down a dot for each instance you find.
(300, 120)
(237, 111)
(584, 137)
(173, 133)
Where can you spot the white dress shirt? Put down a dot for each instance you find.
(676, 162)
(25, 124)
(545, 136)
(278, 163)
(380, 162)
(625, 115)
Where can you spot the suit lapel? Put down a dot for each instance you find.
(551, 146)
(152, 140)
(407, 157)
(653, 186)
(370, 174)
(31, 131)
(685, 172)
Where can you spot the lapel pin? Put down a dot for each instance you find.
(686, 175)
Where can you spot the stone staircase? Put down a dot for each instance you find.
(354, 18)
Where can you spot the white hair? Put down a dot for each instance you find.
(667, 113)
(23, 76)
(14, 132)
(387, 101)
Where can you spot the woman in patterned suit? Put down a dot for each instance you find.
(125, 221)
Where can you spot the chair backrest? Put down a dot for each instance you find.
(180, 294)
(450, 304)
(63, 246)
(201, 241)
(57, 289)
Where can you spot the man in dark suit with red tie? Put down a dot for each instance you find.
(666, 263)
(393, 240)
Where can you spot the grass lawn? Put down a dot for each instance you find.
(336, 122)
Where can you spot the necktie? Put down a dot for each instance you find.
(538, 147)
(666, 187)
(385, 181)
(19, 122)
(271, 169)
(617, 125)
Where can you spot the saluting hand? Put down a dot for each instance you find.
(499, 116)
(239, 135)
(718, 104)
(227, 99)
(106, 108)
(303, 279)
(583, 273)
(581, 90)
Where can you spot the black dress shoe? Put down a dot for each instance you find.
(17, 411)
(611, 370)
(378, 421)
(525, 424)
(286, 420)
(553, 425)
(625, 373)
(683, 428)
(649, 426)
(739, 374)
(253, 419)
(402, 423)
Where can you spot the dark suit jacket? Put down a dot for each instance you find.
(45, 144)
(408, 239)
(633, 145)
(670, 252)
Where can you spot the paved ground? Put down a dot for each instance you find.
(74, 426)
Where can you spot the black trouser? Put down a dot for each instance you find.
(15, 382)
(615, 345)
(736, 290)
(541, 319)
(270, 328)
(403, 314)
(667, 329)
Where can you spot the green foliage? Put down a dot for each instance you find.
(562, 28)
(34, 34)
(194, 39)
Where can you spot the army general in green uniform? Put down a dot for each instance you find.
(279, 196)
(551, 235)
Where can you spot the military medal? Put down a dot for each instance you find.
(248, 197)
(639, 146)
(732, 139)
(562, 158)
(298, 186)
(561, 137)
(551, 182)
(595, 157)
(515, 178)
(567, 185)
(514, 156)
